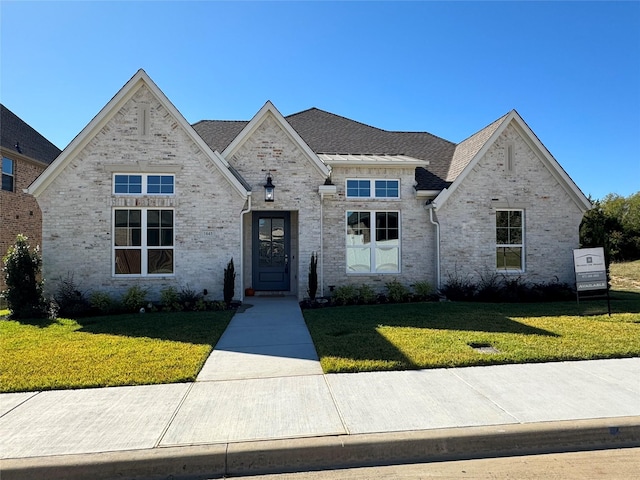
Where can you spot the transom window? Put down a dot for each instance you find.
(143, 242)
(143, 183)
(368, 188)
(510, 240)
(8, 177)
(373, 242)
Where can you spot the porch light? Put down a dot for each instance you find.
(269, 188)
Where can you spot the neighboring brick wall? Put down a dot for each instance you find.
(19, 212)
(552, 219)
(417, 234)
(77, 206)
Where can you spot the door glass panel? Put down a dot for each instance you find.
(272, 242)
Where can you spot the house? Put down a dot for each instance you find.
(141, 197)
(25, 155)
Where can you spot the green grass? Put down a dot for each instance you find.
(107, 351)
(625, 276)
(433, 335)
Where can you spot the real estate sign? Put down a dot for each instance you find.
(591, 271)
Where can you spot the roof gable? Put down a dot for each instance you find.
(104, 116)
(16, 135)
(475, 147)
(256, 121)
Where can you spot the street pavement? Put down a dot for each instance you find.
(262, 404)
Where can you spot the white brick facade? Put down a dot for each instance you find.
(468, 219)
(139, 131)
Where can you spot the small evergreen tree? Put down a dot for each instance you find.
(313, 276)
(24, 290)
(229, 282)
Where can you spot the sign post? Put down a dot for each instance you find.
(591, 271)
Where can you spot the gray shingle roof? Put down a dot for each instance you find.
(14, 131)
(326, 132)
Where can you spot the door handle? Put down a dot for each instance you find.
(286, 264)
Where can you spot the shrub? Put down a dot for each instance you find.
(71, 302)
(366, 294)
(170, 299)
(188, 298)
(229, 282)
(457, 288)
(397, 292)
(313, 276)
(135, 298)
(102, 302)
(24, 291)
(422, 290)
(489, 289)
(345, 295)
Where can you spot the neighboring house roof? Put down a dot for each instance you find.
(17, 136)
(105, 115)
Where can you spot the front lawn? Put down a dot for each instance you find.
(114, 350)
(442, 334)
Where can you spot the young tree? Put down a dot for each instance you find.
(24, 290)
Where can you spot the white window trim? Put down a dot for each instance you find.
(372, 188)
(522, 268)
(372, 244)
(12, 174)
(144, 184)
(144, 248)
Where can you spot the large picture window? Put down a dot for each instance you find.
(8, 176)
(143, 242)
(373, 242)
(510, 240)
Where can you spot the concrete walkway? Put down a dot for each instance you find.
(262, 404)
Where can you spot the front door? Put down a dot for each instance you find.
(271, 244)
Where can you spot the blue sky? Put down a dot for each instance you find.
(571, 69)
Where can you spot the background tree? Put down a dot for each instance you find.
(613, 223)
(24, 289)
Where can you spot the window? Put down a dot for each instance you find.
(148, 184)
(510, 240)
(373, 242)
(358, 188)
(8, 178)
(143, 242)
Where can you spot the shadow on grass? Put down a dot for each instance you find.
(352, 332)
(192, 327)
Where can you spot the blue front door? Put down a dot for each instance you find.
(271, 247)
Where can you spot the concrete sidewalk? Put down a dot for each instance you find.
(261, 404)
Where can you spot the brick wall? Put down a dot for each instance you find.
(19, 212)
(77, 206)
(417, 237)
(552, 219)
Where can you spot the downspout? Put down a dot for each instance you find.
(321, 245)
(431, 207)
(242, 214)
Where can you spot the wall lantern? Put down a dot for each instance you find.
(269, 189)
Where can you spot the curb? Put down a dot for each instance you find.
(343, 451)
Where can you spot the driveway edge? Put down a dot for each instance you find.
(342, 451)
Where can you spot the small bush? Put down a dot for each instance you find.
(345, 295)
(489, 288)
(457, 288)
(313, 276)
(229, 283)
(366, 294)
(397, 292)
(188, 298)
(24, 291)
(170, 300)
(102, 302)
(71, 302)
(422, 290)
(135, 298)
